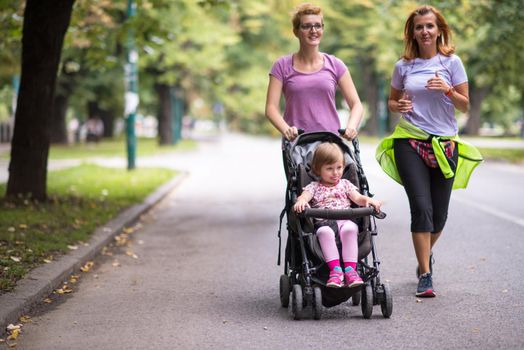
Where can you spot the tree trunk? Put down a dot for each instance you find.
(108, 118)
(95, 111)
(371, 87)
(522, 116)
(45, 24)
(476, 97)
(66, 83)
(165, 129)
(58, 120)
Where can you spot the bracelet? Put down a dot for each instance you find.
(449, 92)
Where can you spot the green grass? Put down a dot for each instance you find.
(115, 148)
(512, 155)
(81, 199)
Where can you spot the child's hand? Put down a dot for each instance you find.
(375, 204)
(300, 205)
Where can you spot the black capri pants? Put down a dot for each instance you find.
(428, 191)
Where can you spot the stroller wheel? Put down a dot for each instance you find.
(285, 289)
(367, 301)
(317, 303)
(386, 302)
(355, 298)
(297, 302)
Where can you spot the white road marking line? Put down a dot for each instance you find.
(490, 210)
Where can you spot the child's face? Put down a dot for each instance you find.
(330, 174)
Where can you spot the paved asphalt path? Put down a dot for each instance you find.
(206, 274)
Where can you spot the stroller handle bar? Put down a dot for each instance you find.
(342, 214)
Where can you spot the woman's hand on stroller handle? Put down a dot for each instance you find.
(292, 132)
(348, 133)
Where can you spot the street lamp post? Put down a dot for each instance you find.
(131, 97)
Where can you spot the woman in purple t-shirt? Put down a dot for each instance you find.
(309, 79)
(428, 83)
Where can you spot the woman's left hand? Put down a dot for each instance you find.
(436, 83)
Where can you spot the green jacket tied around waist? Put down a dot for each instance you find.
(468, 158)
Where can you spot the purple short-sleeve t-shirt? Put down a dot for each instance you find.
(310, 97)
(433, 111)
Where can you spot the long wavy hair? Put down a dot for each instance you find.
(444, 45)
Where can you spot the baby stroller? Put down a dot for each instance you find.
(305, 275)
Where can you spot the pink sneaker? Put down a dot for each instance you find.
(352, 278)
(336, 279)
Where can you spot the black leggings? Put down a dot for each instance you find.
(428, 191)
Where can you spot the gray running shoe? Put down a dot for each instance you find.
(425, 286)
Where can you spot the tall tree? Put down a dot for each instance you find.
(495, 59)
(89, 67)
(45, 24)
(182, 47)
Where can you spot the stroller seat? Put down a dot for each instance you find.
(305, 177)
(305, 272)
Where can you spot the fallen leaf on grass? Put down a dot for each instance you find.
(47, 261)
(15, 258)
(11, 229)
(22, 226)
(72, 247)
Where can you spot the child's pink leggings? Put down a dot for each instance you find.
(348, 232)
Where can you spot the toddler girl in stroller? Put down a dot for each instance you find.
(306, 272)
(334, 192)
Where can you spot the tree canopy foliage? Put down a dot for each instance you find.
(220, 52)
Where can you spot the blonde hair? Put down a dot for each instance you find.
(326, 153)
(444, 46)
(303, 10)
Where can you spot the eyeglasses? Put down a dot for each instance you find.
(308, 27)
